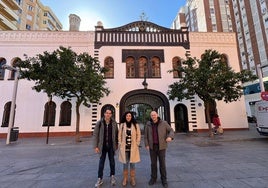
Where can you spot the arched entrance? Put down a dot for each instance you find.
(181, 118)
(142, 102)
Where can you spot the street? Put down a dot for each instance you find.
(236, 159)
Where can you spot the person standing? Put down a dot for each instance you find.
(129, 137)
(216, 122)
(105, 142)
(157, 134)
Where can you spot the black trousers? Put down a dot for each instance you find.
(106, 150)
(161, 155)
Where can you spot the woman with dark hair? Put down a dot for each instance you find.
(129, 137)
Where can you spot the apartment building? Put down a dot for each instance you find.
(36, 16)
(27, 15)
(8, 14)
(205, 16)
(249, 19)
(251, 25)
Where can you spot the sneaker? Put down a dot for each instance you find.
(99, 182)
(152, 181)
(113, 180)
(165, 184)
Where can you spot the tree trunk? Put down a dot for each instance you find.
(207, 107)
(77, 132)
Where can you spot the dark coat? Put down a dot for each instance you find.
(164, 131)
(98, 135)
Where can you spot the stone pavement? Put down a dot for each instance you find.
(236, 159)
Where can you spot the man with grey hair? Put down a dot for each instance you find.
(157, 134)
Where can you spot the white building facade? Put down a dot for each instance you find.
(138, 55)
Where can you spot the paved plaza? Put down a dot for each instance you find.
(237, 159)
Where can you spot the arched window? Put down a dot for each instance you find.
(65, 113)
(109, 65)
(6, 114)
(130, 67)
(2, 71)
(224, 59)
(143, 67)
(176, 64)
(49, 114)
(14, 63)
(155, 62)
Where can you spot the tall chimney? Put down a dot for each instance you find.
(74, 22)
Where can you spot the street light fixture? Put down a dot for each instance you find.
(13, 102)
(259, 70)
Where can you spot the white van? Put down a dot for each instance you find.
(262, 117)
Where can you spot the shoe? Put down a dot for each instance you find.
(165, 184)
(113, 180)
(152, 181)
(99, 182)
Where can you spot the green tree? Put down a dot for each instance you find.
(66, 74)
(211, 79)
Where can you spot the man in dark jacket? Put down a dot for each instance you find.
(106, 142)
(157, 134)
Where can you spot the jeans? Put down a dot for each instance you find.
(125, 165)
(161, 155)
(110, 152)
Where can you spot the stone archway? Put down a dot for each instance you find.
(155, 99)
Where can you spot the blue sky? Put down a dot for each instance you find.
(114, 13)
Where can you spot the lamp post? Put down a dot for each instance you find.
(259, 70)
(13, 102)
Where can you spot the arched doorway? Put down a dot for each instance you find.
(142, 102)
(181, 118)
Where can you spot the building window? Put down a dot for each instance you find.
(109, 65)
(14, 63)
(6, 114)
(130, 67)
(30, 8)
(143, 63)
(49, 114)
(176, 63)
(142, 68)
(224, 59)
(155, 62)
(65, 113)
(29, 17)
(28, 27)
(2, 71)
(214, 27)
(19, 2)
(212, 11)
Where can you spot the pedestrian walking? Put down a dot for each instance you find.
(217, 124)
(106, 142)
(157, 134)
(129, 137)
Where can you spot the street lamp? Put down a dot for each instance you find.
(13, 102)
(259, 70)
